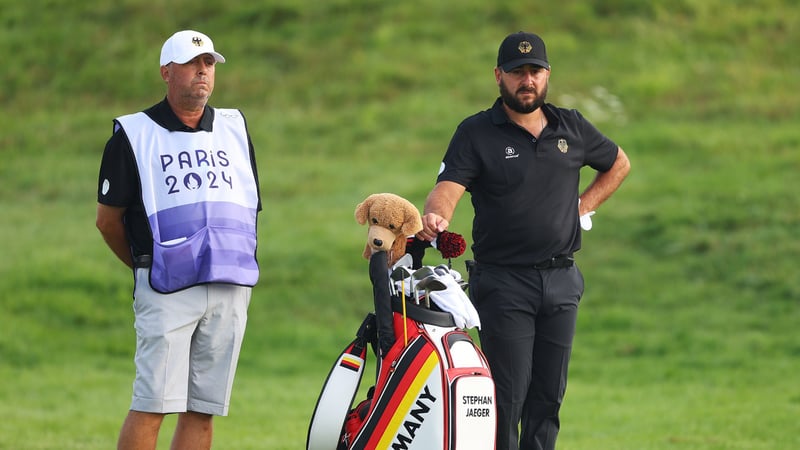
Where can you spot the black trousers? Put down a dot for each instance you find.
(528, 319)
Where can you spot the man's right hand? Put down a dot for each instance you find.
(432, 225)
(442, 199)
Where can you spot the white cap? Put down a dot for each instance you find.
(184, 45)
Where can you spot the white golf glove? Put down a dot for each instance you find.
(586, 219)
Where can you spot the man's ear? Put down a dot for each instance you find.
(165, 73)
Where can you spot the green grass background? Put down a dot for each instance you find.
(687, 335)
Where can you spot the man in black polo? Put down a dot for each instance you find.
(521, 160)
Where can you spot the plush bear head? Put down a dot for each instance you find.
(391, 220)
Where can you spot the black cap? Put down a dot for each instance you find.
(522, 48)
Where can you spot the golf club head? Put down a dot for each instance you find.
(423, 272)
(441, 269)
(407, 260)
(401, 272)
(431, 283)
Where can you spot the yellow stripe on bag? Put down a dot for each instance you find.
(405, 405)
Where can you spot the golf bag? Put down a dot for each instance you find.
(433, 387)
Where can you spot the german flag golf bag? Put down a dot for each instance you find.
(433, 387)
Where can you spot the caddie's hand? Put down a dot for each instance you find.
(432, 225)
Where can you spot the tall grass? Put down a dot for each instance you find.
(686, 334)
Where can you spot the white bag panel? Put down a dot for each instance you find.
(474, 413)
(463, 354)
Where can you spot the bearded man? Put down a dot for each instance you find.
(520, 160)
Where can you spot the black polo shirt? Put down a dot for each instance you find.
(524, 191)
(119, 184)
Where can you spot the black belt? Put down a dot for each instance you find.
(555, 262)
(142, 262)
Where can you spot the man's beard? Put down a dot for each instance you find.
(517, 105)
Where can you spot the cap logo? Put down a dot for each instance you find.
(198, 42)
(525, 47)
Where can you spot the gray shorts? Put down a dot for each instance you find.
(187, 346)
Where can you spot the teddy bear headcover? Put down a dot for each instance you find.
(391, 220)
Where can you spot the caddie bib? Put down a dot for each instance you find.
(201, 200)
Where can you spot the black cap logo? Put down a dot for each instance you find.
(525, 47)
(198, 42)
